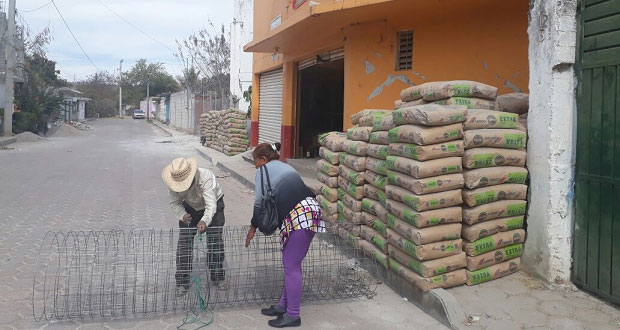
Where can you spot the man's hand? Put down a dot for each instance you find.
(202, 227)
(250, 236)
(187, 218)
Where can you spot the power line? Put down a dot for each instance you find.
(73, 35)
(134, 26)
(41, 7)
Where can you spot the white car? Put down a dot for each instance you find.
(138, 114)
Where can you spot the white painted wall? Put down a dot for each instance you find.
(181, 115)
(552, 139)
(241, 33)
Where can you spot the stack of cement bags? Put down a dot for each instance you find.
(327, 175)
(424, 195)
(495, 192)
(473, 95)
(374, 214)
(225, 131)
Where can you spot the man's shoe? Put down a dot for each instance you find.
(285, 322)
(271, 311)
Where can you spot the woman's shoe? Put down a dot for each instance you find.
(285, 321)
(271, 311)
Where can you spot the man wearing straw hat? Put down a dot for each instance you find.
(197, 200)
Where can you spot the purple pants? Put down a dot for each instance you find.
(293, 254)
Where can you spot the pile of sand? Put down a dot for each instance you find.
(28, 137)
(67, 130)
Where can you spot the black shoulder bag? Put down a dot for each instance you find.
(269, 220)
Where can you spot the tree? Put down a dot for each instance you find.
(142, 73)
(209, 51)
(102, 89)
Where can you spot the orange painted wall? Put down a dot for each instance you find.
(482, 40)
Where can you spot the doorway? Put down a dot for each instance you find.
(320, 104)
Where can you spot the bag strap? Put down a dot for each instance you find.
(268, 182)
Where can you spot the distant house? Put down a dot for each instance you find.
(74, 105)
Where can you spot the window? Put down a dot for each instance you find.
(404, 56)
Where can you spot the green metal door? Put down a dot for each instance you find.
(596, 255)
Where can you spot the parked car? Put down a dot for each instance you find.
(138, 114)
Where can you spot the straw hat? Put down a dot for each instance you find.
(180, 174)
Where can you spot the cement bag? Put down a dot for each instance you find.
(354, 190)
(382, 197)
(330, 156)
(375, 253)
(374, 207)
(330, 181)
(425, 135)
(424, 202)
(492, 176)
(494, 257)
(381, 137)
(493, 272)
(368, 120)
(375, 179)
(332, 140)
(495, 138)
(411, 104)
(240, 141)
(375, 223)
(377, 151)
(494, 242)
(426, 169)
(327, 206)
(469, 102)
(400, 211)
(327, 168)
(331, 194)
(429, 152)
(489, 157)
(411, 94)
(447, 280)
(480, 118)
(357, 148)
(371, 192)
(426, 251)
(234, 125)
(491, 194)
(518, 103)
(431, 267)
(488, 228)
(439, 90)
(378, 166)
(522, 122)
(359, 133)
(352, 216)
(348, 200)
(331, 219)
(429, 115)
(427, 185)
(355, 119)
(354, 177)
(349, 237)
(352, 228)
(486, 212)
(421, 236)
(355, 163)
(384, 123)
(398, 103)
(375, 238)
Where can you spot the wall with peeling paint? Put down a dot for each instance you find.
(552, 132)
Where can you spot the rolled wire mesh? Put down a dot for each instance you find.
(118, 273)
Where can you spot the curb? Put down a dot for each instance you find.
(7, 141)
(245, 182)
(162, 129)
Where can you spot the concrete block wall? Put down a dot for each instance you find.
(181, 111)
(552, 138)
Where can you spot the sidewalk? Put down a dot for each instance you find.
(514, 302)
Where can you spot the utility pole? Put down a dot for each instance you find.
(9, 73)
(148, 101)
(120, 89)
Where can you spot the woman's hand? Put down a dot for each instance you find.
(250, 236)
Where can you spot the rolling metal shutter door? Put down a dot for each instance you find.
(270, 107)
(330, 56)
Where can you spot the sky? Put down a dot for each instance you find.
(107, 39)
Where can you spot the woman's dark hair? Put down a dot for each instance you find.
(267, 150)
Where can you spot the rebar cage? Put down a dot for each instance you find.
(118, 273)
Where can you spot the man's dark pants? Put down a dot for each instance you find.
(215, 245)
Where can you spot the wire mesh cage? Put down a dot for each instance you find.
(118, 273)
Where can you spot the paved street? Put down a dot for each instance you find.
(111, 178)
